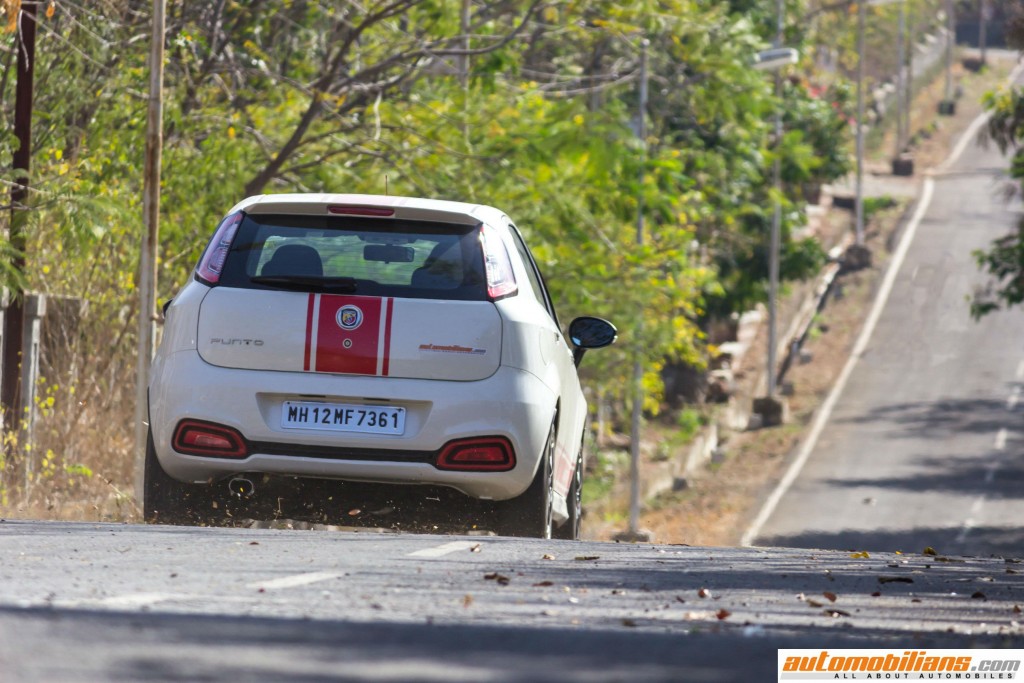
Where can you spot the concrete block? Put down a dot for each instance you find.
(856, 257)
(903, 165)
(773, 410)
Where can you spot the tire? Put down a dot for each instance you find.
(570, 529)
(166, 500)
(530, 513)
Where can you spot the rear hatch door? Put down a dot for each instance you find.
(382, 336)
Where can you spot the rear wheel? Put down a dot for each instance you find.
(570, 529)
(530, 513)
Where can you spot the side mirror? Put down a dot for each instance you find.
(590, 333)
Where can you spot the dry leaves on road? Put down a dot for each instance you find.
(895, 579)
(500, 578)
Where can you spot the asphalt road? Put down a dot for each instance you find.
(925, 445)
(86, 602)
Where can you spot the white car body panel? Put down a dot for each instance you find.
(398, 338)
(437, 412)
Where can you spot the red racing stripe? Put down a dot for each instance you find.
(389, 309)
(309, 331)
(348, 334)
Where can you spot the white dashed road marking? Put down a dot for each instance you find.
(445, 549)
(990, 471)
(136, 599)
(294, 581)
(127, 601)
(990, 476)
(969, 524)
(1014, 398)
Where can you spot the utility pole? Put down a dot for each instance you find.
(947, 107)
(902, 159)
(900, 75)
(464, 57)
(14, 320)
(908, 83)
(638, 367)
(775, 238)
(859, 199)
(773, 409)
(147, 254)
(463, 68)
(983, 30)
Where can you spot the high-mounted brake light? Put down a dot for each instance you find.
(351, 210)
(212, 263)
(501, 282)
(195, 437)
(488, 454)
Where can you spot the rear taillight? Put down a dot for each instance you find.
(487, 454)
(194, 437)
(501, 282)
(353, 210)
(212, 263)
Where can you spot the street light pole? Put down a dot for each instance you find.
(773, 254)
(983, 30)
(902, 160)
(900, 75)
(908, 85)
(950, 28)
(947, 107)
(148, 251)
(771, 409)
(859, 199)
(638, 368)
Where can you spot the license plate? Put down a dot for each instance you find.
(343, 417)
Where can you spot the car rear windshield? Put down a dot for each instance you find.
(364, 256)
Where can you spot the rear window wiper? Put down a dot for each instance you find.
(333, 284)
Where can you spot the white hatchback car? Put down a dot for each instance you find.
(384, 340)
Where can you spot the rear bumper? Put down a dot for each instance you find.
(511, 403)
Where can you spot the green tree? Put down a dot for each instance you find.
(1003, 261)
(532, 109)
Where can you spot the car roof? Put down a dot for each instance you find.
(408, 208)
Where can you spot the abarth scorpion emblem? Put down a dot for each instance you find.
(349, 317)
